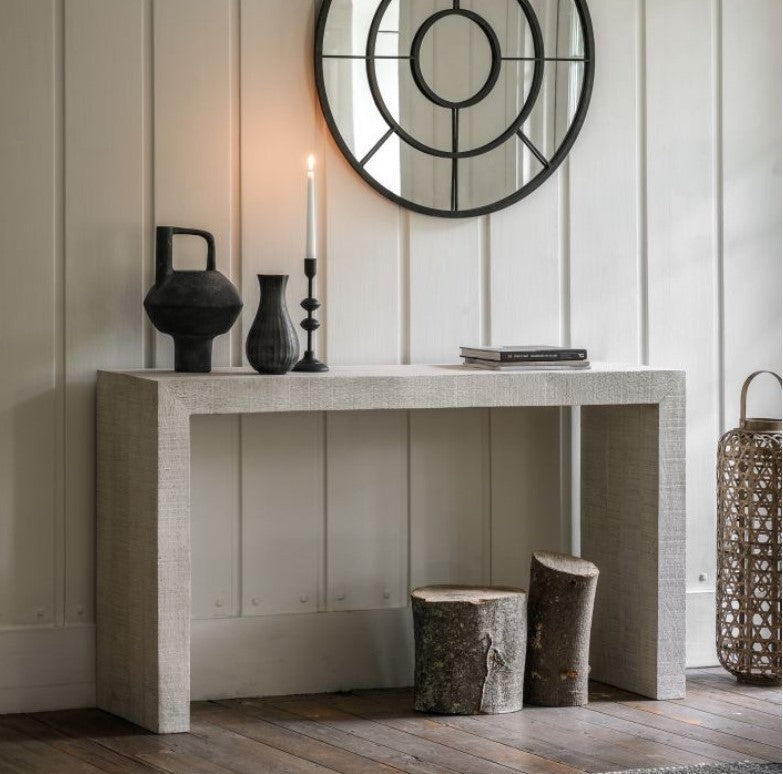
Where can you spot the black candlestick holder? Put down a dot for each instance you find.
(310, 363)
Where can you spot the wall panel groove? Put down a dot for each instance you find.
(324, 574)
(235, 208)
(149, 353)
(60, 559)
(641, 193)
(321, 131)
(485, 278)
(570, 448)
(564, 254)
(405, 285)
(718, 204)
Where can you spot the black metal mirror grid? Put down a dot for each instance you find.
(515, 127)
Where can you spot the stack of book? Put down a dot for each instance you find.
(525, 358)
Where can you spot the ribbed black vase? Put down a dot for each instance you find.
(272, 345)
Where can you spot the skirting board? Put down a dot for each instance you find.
(309, 653)
(50, 669)
(700, 628)
(47, 668)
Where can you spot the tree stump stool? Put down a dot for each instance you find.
(562, 593)
(470, 649)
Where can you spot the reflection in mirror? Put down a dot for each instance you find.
(497, 174)
(445, 68)
(459, 107)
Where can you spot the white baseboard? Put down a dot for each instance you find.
(280, 654)
(45, 668)
(49, 668)
(337, 651)
(700, 628)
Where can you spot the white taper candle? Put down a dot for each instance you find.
(310, 249)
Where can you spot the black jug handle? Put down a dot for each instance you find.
(164, 249)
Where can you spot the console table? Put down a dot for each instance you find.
(632, 494)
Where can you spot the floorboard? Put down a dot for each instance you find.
(696, 689)
(78, 747)
(394, 710)
(20, 752)
(718, 678)
(443, 757)
(377, 732)
(284, 740)
(398, 761)
(743, 749)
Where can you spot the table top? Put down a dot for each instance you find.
(404, 371)
(240, 390)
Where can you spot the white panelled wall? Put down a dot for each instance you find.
(658, 241)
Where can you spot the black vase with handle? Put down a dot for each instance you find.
(191, 306)
(272, 345)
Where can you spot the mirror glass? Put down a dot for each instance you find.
(454, 107)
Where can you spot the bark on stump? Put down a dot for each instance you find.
(562, 593)
(470, 649)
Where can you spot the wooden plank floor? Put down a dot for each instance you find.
(365, 732)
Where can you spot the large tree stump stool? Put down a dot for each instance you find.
(470, 649)
(562, 592)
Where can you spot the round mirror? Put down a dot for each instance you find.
(454, 107)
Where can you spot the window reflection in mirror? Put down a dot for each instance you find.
(455, 57)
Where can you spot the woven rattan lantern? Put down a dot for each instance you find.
(749, 522)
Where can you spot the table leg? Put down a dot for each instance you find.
(143, 571)
(633, 528)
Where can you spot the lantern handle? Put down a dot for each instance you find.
(744, 393)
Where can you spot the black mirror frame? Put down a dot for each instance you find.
(549, 166)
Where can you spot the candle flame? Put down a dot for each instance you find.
(310, 163)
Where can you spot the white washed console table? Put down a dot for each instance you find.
(632, 495)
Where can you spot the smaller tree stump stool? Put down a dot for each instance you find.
(470, 649)
(562, 593)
